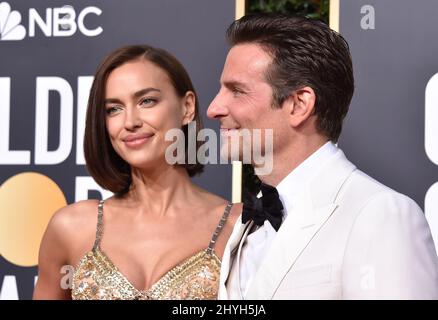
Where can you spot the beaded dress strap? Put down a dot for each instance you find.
(99, 228)
(219, 227)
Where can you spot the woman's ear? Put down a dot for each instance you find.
(188, 109)
(300, 105)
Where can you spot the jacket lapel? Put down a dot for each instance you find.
(311, 211)
(231, 246)
(292, 238)
(233, 281)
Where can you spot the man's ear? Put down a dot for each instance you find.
(188, 107)
(300, 105)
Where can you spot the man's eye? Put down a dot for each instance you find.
(237, 91)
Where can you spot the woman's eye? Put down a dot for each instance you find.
(112, 110)
(147, 102)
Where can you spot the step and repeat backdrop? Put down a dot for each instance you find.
(49, 51)
(391, 131)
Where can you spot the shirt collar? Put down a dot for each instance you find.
(290, 187)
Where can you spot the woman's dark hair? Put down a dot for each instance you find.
(305, 52)
(107, 168)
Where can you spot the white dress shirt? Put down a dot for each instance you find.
(258, 242)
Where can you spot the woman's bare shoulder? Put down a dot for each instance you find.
(219, 204)
(228, 227)
(235, 213)
(68, 235)
(72, 227)
(74, 215)
(232, 217)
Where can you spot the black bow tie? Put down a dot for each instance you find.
(267, 207)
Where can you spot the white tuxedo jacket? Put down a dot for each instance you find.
(348, 237)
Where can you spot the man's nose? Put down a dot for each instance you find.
(217, 107)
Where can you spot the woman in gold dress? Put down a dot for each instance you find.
(160, 236)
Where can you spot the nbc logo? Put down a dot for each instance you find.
(10, 28)
(57, 22)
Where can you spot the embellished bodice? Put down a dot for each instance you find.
(195, 278)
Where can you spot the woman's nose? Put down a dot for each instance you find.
(132, 119)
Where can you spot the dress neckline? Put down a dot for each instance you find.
(165, 277)
(163, 281)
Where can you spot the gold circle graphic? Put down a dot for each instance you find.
(27, 202)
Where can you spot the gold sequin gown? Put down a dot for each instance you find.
(195, 278)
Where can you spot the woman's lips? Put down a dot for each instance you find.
(137, 140)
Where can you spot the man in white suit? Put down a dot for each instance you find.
(343, 234)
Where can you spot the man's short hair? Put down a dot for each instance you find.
(305, 52)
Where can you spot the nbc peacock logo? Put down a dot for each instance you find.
(10, 27)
